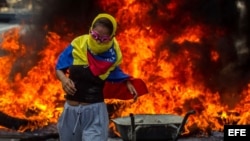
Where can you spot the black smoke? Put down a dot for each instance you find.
(67, 16)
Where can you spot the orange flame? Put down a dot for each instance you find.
(36, 95)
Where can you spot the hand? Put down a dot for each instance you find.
(68, 86)
(132, 90)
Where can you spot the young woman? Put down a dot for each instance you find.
(90, 59)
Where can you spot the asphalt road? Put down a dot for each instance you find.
(7, 21)
(6, 26)
(11, 19)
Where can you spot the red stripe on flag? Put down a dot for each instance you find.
(119, 90)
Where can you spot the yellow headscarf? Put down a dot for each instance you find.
(96, 47)
(108, 16)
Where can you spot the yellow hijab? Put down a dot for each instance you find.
(96, 47)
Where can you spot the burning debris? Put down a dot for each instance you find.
(193, 55)
(11, 122)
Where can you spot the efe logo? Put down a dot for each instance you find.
(241, 132)
(236, 132)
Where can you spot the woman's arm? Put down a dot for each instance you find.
(132, 90)
(67, 84)
(64, 61)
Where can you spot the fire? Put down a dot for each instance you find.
(166, 58)
(34, 96)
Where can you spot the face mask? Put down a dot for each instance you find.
(98, 47)
(95, 45)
